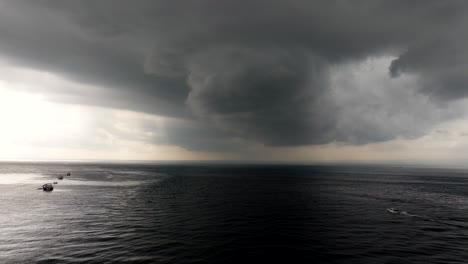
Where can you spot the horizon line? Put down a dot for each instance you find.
(458, 163)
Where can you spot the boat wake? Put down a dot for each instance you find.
(454, 223)
(396, 211)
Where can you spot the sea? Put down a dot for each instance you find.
(232, 213)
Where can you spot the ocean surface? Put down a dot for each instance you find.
(200, 213)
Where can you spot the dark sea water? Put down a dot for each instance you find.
(232, 214)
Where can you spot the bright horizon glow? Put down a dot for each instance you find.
(35, 128)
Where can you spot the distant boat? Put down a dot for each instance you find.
(60, 177)
(393, 210)
(68, 174)
(47, 187)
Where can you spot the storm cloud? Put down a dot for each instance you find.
(279, 73)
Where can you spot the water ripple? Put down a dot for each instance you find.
(231, 214)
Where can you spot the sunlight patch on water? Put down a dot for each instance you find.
(31, 178)
(20, 178)
(99, 183)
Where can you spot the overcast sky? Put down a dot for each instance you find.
(306, 81)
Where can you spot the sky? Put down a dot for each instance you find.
(257, 80)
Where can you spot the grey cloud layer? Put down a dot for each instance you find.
(256, 70)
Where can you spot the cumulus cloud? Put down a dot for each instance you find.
(270, 96)
(280, 73)
(374, 107)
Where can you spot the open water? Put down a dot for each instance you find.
(200, 213)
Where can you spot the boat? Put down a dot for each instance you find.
(68, 174)
(55, 182)
(60, 177)
(393, 210)
(47, 187)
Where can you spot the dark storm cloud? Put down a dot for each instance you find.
(256, 70)
(44, 38)
(441, 63)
